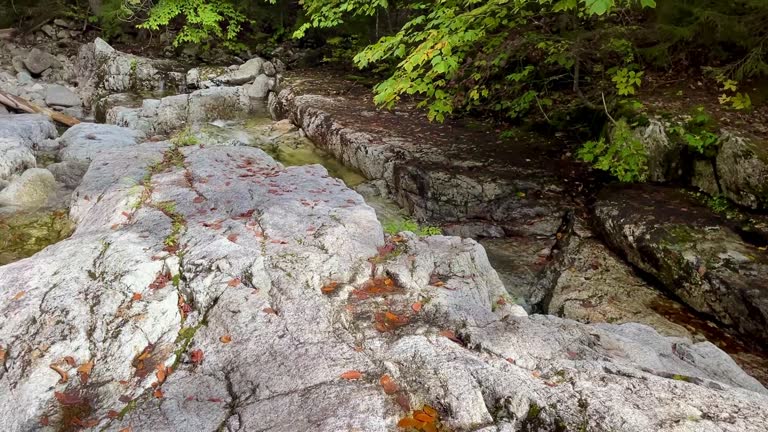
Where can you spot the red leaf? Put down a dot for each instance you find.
(451, 335)
(351, 375)
(198, 200)
(416, 307)
(68, 398)
(44, 421)
(196, 356)
(389, 385)
(234, 282)
(232, 238)
(269, 310)
(113, 414)
(136, 297)
(217, 400)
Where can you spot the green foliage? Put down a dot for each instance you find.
(627, 81)
(412, 226)
(185, 138)
(623, 155)
(698, 133)
(203, 20)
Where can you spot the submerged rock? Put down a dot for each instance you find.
(31, 189)
(688, 249)
(24, 234)
(288, 294)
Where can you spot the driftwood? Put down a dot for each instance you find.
(21, 104)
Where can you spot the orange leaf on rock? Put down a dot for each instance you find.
(64, 377)
(329, 288)
(423, 417)
(2, 355)
(19, 295)
(70, 361)
(44, 421)
(429, 410)
(232, 238)
(158, 393)
(269, 310)
(136, 297)
(234, 282)
(126, 429)
(389, 385)
(160, 374)
(429, 427)
(408, 422)
(417, 307)
(226, 339)
(352, 375)
(403, 401)
(84, 371)
(113, 414)
(68, 398)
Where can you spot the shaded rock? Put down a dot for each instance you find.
(595, 286)
(84, 141)
(200, 77)
(664, 155)
(102, 105)
(3, 110)
(260, 87)
(270, 69)
(247, 72)
(37, 61)
(688, 249)
(250, 285)
(58, 95)
(18, 64)
(24, 77)
(69, 173)
(31, 189)
(14, 157)
(100, 70)
(742, 166)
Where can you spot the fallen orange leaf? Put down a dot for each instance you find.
(44, 421)
(352, 375)
(113, 414)
(64, 377)
(329, 288)
(19, 295)
(409, 423)
(423, 417)
(417, 307)
(2, 355)
(136, 297)
(70, 361)
(126, 429)
(160, 374)
(429, 410)
(389, 385)
(85, 370)
(269, 310)
(450, 335)
(234, 282)
(226, 339)
(158, 393)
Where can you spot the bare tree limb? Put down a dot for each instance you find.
(21, 104)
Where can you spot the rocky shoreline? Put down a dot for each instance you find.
(207, 286)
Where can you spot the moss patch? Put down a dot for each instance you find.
(23, 235)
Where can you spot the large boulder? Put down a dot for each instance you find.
(742, 168)
(32, 189)
(102, 70)
(230, 291)
(691, 252)
(29, 129)
(84, 141)
(218, 103)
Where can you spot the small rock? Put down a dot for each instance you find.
(18, 64)
(270, 69)
(38, 61)
(31, 189)
(63, 23)
(48, 30)
(58, 95)
(247, 72)
(24, 77)
(3, 110)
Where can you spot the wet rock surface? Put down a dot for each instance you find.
(691, 252)
(265, 287)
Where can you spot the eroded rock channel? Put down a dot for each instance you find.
(207, 286)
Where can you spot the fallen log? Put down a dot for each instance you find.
(21, 104)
